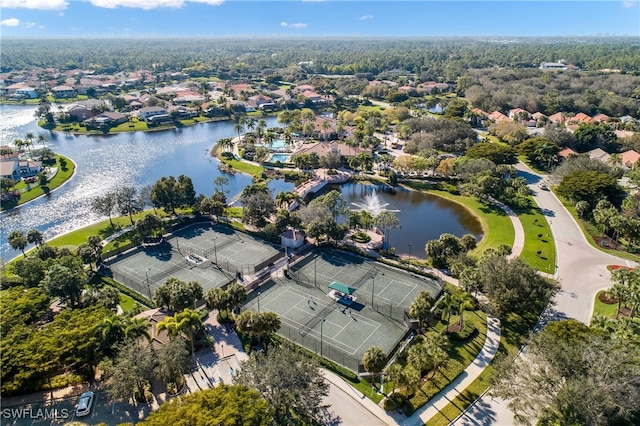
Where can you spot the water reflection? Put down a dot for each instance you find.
(423, 217)
(105, 163)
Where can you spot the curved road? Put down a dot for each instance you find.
(581, 272)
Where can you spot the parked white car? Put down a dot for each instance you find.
(84, 404)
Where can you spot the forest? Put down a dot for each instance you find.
(429, 58)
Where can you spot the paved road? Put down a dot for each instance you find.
(63, 411)
(581, 272)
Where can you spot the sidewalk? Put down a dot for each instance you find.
(448, 394)
(358, 397)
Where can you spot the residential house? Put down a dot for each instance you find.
(566, 153)
(600, 118)
(59, 92)
(553, 66)
(10, 169)
(599, 154)
(28, 92)
(580, 118)
(497, 116)
(558, 118)
(314, 98)
(80, 113)
(29, 168)
(147, 112)
(519, 114)
(262, 102)
(106, 119)
(630, 158)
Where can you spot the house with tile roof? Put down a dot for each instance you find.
(566, 153)
(600, 118)
(558, 118)
(630, 158)
(580, 118)
(497, 116)
(59, 92)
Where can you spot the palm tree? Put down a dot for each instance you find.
(325, 126)
(449, 305)
(28, 138)
(35, 237)
(373, 361)
(111, 330)
(262, 125)
(135, 328)
(620, 293)
(42, 139)
(239, 128)
(185, 322)
(251, 124)
(466, 304)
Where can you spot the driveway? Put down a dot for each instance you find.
(581, 272)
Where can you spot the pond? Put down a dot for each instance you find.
(423, 217)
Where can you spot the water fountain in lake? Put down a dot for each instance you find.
(372, 204)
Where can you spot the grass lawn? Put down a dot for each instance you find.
(533, 167)
(590, 231)
(461, 355)
(515, 330)
(534, 223)
(242, 166)
(36, 190)
(600, 308)
(496, 224)
(127, 303)
(126, 127)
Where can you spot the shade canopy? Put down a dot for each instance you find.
(342, 288)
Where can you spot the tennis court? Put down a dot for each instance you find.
(339, 332)
(212, 255)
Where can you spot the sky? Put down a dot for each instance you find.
(316, 18)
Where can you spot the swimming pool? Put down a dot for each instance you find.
(277, 144)
(283, 158)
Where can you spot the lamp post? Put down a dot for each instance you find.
(373, 288)
(215, 251)
(314, 271)
(409, 252)
(146, 274)
(321, 323)
(259, 293)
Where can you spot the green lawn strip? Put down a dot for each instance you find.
(496, 225)
(514, 332)
(242, 166)
(608, 310)
(532, 166)
(590, 231)
(127, 126)
(36, 190)
(461, 355)
(534, 223)
(102, 228)
(125, 292)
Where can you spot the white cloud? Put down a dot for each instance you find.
(35, 4)
(628, 4)
(296, 25)
(365, 17)
(41, 27)
(150, 4)
(11, 22)
(29, 24)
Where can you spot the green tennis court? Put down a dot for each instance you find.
(341, 332)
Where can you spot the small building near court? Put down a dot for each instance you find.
(292, 238)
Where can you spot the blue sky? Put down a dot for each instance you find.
(300, 18)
